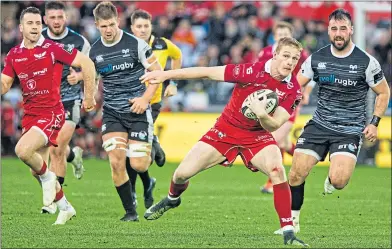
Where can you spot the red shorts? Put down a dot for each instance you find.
(232, 141)
(49, 124)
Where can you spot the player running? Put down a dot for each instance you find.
(344, 74)
(282, 135)
(162, 49)
(71, 80)
(38, 63)
(121, 59)
(257, 147)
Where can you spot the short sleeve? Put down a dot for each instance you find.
(8, 68)
(174, 51)
(291, 102)
(242, 73)
(86, 47)
(64, 54)
(144, 53)
(374, 73)
(306, 68)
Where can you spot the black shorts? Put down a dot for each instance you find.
(72, 110)
(155, 109)
(321, 140)
(139, 127)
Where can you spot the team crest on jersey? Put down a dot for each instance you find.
(31, 84)
(125, 52)
(69, 48)
(46, 45)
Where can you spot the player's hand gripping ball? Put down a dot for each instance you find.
(272, 103)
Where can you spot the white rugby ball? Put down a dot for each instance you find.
(271, 106)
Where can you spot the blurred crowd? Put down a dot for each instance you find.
(208, 34)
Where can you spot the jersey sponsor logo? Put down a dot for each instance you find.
(22, 76)
(41, 121)
(110, 67)
(40, 56)
(264, 138)
(31, 84)
(322, 65)
(290, 85)
(21, 59)
(332, 79)
(353, 69)
(125, 52)
(142, 135)
(249, 70)
(40, 73)
(99, 58)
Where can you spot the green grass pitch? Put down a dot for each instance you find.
(222, 207)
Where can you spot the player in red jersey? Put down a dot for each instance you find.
(38, 62)
(234, 134)
(282, 135)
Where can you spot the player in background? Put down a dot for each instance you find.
(71, 94)
(38, 63)
(257, 147)
(163, 49)
(282, 135)
(121, 59)
(344, 74)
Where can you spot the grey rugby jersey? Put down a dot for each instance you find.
(343, 86)
(73, 40)
(120, 65)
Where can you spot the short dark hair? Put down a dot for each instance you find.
(54, 5)
(105, 10)
(288, 41)
(140, 14)
(32, 10)
(340, 14)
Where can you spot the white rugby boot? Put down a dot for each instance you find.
(77, 163)
(328, 188)
(65, 215)
(51, 209)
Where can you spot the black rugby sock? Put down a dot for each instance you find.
(297, 196)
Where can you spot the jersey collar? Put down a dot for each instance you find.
(342, 56)
(39, 42)
(267, 68)
(65, 33)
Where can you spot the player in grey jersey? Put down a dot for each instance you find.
(344, 74)
(121, 59)
(55, 18)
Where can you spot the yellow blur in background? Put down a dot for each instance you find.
(178, 132)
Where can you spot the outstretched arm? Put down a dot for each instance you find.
(213, 73)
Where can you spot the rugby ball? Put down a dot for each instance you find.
(272, 103)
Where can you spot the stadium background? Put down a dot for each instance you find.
(209, 34)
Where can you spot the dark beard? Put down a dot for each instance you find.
(345, 44)
(56, 33)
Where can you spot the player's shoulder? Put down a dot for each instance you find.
(130, 37)
(72, 33)
(268, 48)
(14, 50)
(326, 50)
(360, 54)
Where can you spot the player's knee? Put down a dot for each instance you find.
(180, 176)
(276, 171)
(117, 165)
(338, 181)
(140, 164)
(23, 152)
(296, 177)
(57, 153)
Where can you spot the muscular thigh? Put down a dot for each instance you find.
(202, 156)
(115, 144)
(343, 156)
(267, 159)
(65, 134)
